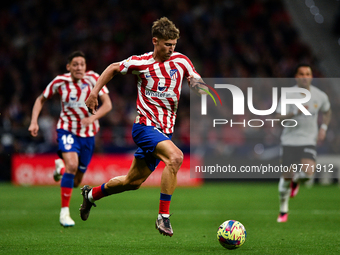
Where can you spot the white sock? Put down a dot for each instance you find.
(65, 210)
(284, 193)
(90, 197)
(164, 216)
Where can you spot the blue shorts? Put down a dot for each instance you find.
(84, 146)
(147, 138)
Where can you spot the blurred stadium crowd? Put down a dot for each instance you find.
(223, 38)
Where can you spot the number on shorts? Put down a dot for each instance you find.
(67, 139)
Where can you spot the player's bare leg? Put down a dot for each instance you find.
(66, 186)
(166, 151)
(169, 153)
(78, 178)
(60, 170)
(137, 174)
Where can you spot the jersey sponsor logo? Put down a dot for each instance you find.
(150, 93)
(173, 74)
(74, 104)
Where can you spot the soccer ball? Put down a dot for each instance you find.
(231, 234)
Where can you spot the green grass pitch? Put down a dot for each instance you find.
(124, 223)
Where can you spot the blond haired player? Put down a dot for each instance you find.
(160, 75)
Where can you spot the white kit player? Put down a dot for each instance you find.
(298, 144)
(76, 127)
(160, 75)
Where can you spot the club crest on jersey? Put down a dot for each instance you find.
(83, 86)
(173, 74)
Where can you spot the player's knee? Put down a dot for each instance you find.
(71, 168)
(175, 160)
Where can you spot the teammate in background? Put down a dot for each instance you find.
(76, 128)
(298, 144)
(160, 75)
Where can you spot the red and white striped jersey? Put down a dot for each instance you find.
(159, 87)
(73, 95)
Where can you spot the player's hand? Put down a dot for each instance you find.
(33, 129)
(194, 83)
(87, 121)
(189, 79)
(92, 103)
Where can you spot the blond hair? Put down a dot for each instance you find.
(164, 28)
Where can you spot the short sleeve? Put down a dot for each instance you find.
(52, 88)
(103, 91)
(125, 65)
(326, 105)
(191, 69)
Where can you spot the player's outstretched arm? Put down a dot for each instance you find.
(34, 127)
(92, 101)
(197, 85)
(102, 111)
